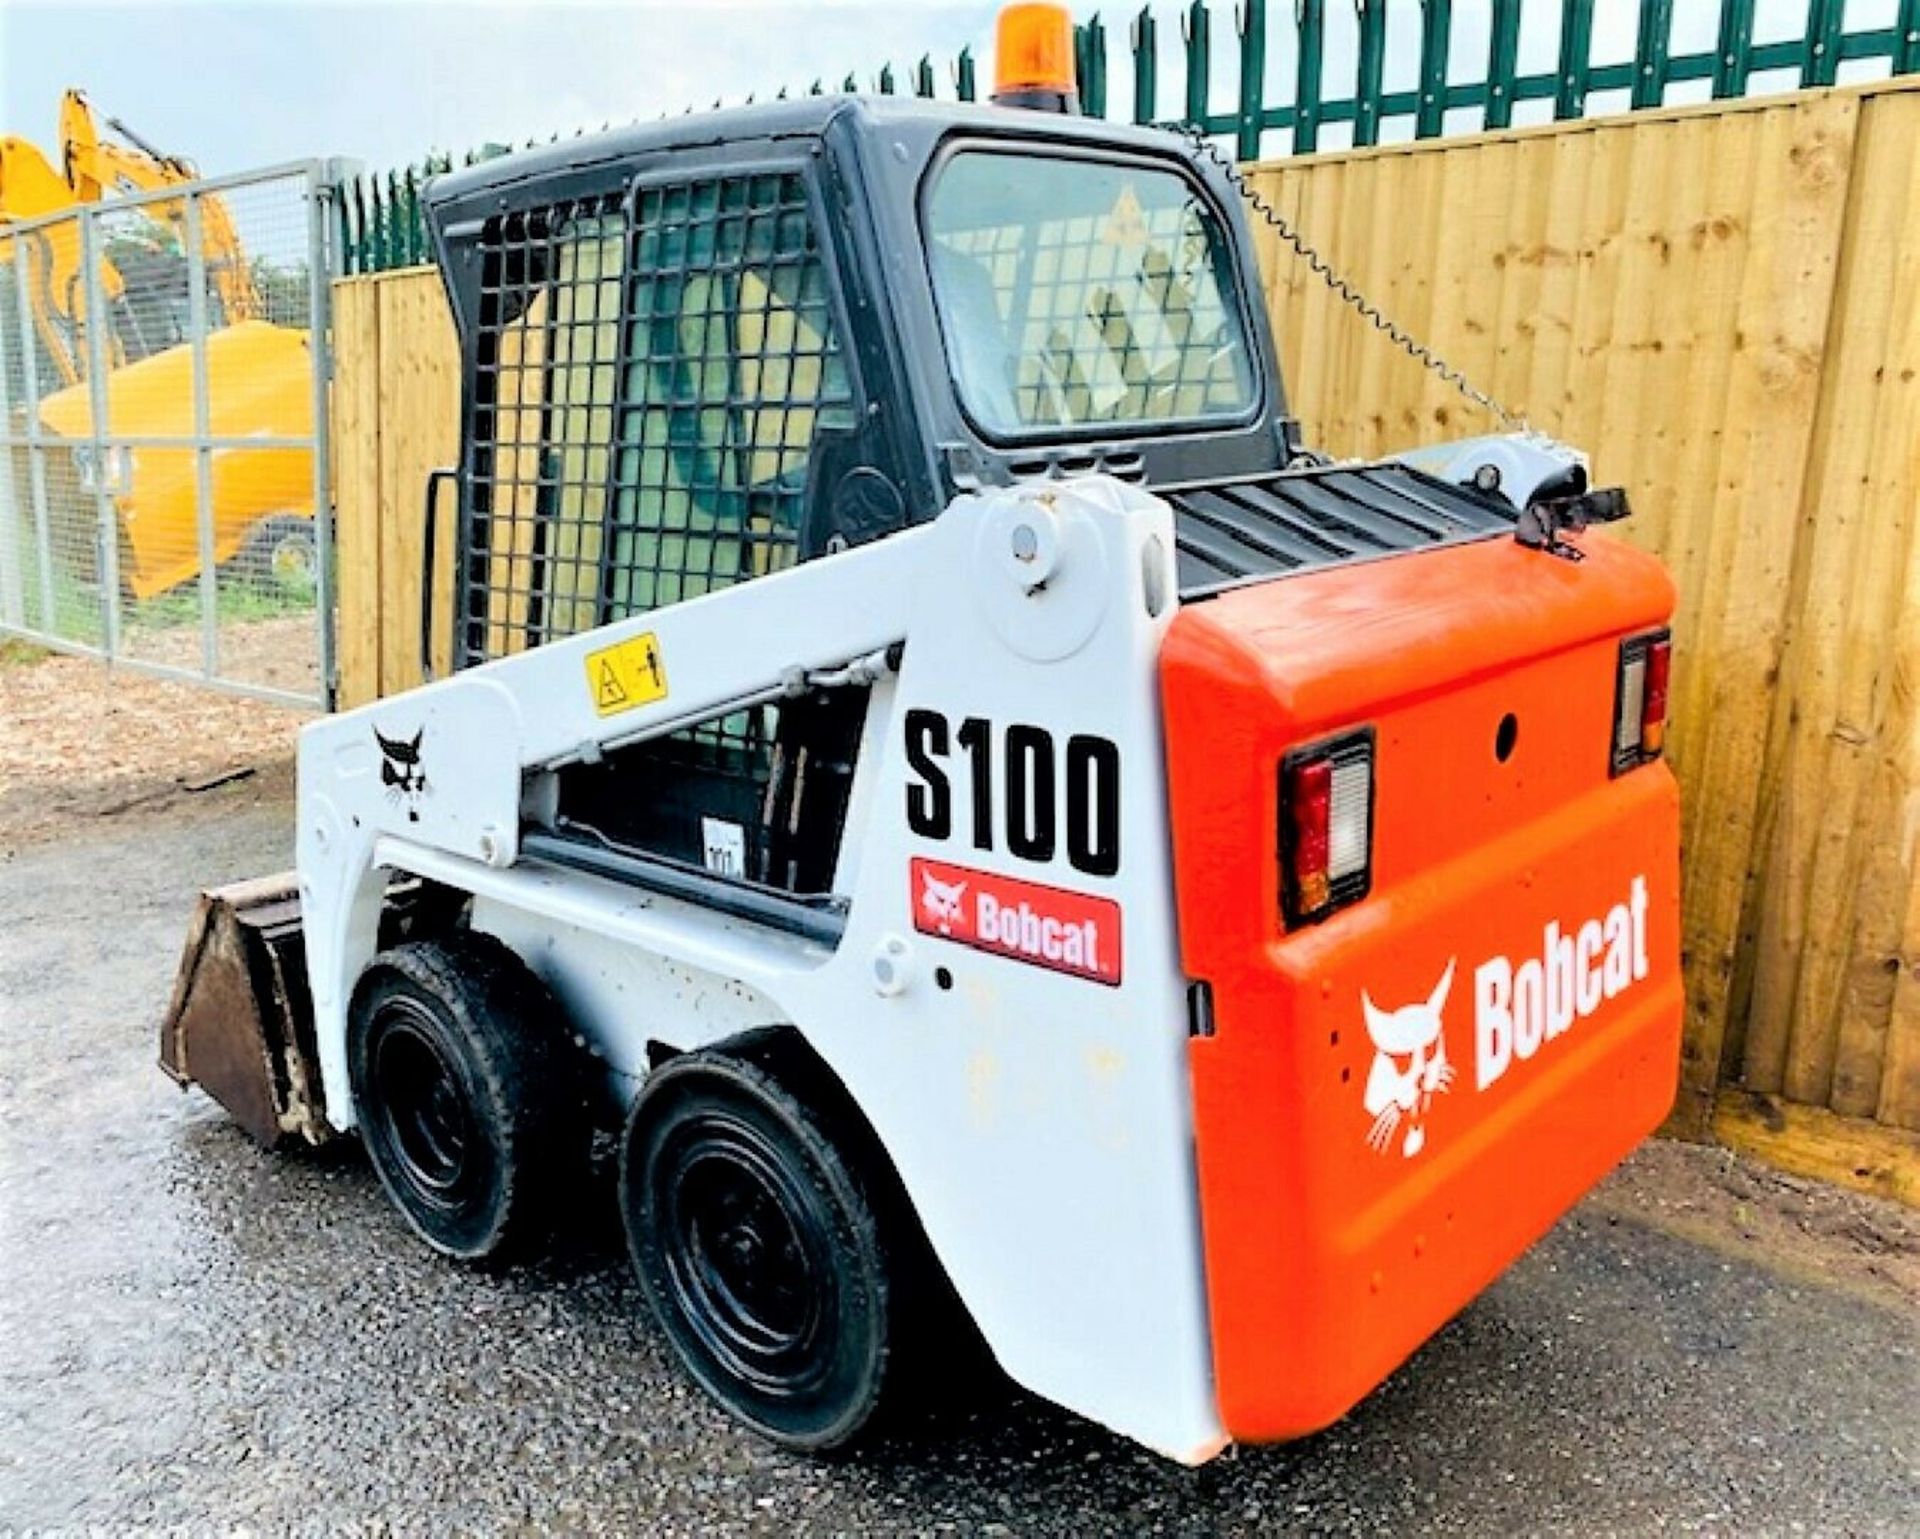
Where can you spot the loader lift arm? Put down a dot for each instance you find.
(241, 1021)
(552, 708)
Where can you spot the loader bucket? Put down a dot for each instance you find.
(240, 1025)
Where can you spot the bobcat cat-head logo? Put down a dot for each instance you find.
(400, 770)
(1409, 1067)
(941, 900)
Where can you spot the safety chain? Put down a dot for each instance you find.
(1347, 293)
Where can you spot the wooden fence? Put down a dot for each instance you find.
(1723, 305)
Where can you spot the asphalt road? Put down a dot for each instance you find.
(193, 1333)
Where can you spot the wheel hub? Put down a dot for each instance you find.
(429, 1123)
(292, 560)
(744, 1274)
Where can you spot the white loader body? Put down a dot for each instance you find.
(1040, 1119)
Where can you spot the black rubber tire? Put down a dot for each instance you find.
(468, 1092)
(760, 1250)
(282, 555)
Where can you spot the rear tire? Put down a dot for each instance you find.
(759, 1248)
(466, 1091)
(281, 556)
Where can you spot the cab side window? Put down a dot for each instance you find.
(538, 456)
(652, 376)
(733, 366)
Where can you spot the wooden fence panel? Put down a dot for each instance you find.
(1837, 864)
(359, 501)
(420, 423)
(1723, 305)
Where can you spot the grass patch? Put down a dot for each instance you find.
(21, 654)
(80, 616)
(236, 601)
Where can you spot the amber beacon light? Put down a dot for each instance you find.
(1033, 59)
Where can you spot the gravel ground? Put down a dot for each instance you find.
(80, 743)
(193, 1333)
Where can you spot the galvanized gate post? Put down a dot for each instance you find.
(36, 461)
(107, 567)
(202, 449)
(13, 583)
(322, 185)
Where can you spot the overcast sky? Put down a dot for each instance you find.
(235, 85)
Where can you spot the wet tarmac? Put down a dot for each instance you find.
(194, 1333)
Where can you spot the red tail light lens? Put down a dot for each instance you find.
(1309, 810)
(1640, 700)
(1653, 708)
(1326, 827)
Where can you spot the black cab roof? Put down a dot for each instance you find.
(796, 117)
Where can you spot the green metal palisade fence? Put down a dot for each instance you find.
(381, 219)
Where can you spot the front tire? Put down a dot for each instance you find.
(466, 1095)
(759, 1249)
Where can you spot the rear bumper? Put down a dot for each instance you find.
(1333, 1252)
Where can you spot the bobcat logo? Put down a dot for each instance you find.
(1413, 1036)
(400, 771)
(941, 900)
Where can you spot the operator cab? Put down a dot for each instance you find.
(699, 351)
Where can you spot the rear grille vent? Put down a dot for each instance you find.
(1234, 531)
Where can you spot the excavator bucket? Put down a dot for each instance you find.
(240, 1025)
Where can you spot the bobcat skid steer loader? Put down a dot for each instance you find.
(987, 819)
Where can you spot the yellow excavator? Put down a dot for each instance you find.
(259, 374)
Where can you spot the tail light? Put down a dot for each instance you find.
(1326, 826)
(1640, 700)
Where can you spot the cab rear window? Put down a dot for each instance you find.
(1076, 293)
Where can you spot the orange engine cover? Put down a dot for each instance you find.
(1522, 929)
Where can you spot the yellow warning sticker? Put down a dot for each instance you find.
(629, 674)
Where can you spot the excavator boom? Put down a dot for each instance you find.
(97, 168)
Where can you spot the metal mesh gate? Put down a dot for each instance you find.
(163, 431)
